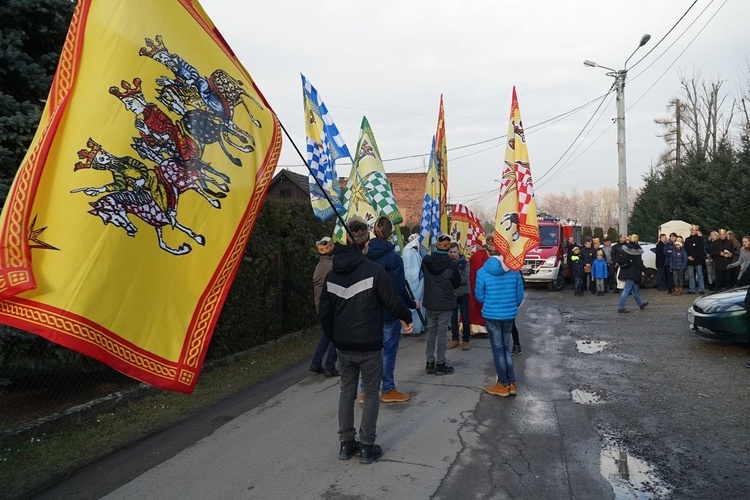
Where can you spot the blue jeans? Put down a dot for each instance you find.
(352, 364)
(631, 287)
(391, 336)
(324, 344)
(500, 331)
(462, 305)
(692, 270)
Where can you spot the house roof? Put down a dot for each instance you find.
(300, 180)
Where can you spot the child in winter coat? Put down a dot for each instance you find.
(576, 269)
(599, 272)
(678, 263)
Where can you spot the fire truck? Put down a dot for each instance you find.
(547, 263)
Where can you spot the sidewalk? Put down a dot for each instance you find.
(451, 440)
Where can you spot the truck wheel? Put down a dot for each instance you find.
(558, 284)
(649, 279)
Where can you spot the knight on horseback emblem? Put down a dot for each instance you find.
(170, 150)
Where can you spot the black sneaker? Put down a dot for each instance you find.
(747, 365)
(349, 449)
(317, 369)
(443, 369)
(430, 368)
(334, 373)
(368, 453)
(643, 306)
(516, 350)
(702, 293)
(623, 311)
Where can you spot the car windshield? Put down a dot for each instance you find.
(548, 236)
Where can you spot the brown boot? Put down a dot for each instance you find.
(679, 291)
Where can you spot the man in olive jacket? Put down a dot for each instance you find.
(441, 277)
(351, 312)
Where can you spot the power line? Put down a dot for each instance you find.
(667, 34)
(680, 54)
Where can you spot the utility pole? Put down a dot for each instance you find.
(622, 178)
(678, 139)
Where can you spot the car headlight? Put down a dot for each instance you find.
(550, 261)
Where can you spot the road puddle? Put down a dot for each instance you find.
(630, 477)
(584, 397)
(590, 346)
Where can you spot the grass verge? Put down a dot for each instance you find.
(32, 462)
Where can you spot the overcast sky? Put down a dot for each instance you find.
(390, 60)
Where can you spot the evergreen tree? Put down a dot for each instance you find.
(32, 33)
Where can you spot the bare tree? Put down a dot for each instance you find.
(707, 115)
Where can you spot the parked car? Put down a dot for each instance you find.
(721, 316)
(649, 260)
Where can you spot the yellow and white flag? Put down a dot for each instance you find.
(516, 227)
(128, 218)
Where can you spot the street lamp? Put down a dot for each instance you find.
(622, 183)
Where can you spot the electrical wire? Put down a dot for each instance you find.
(678, 55)
(667, 34)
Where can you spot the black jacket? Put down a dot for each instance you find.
(352, 301)
(440, 278)
(631, 268)
(695, 247)
(660, 259)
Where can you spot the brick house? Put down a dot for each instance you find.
(408, 189)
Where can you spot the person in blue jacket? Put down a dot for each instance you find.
(382, 252)
(500, 291)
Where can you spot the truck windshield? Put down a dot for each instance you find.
(548, 236)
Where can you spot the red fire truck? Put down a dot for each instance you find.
(547, 263)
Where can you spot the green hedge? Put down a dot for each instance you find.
(271, 296)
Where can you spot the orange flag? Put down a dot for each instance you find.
(516, 228)
(128, 218)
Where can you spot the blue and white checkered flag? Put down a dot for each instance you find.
(324, 146)
(429, 227)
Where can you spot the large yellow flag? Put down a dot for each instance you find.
(128, 218)
(516, 227)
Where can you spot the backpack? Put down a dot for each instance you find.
(624, 259)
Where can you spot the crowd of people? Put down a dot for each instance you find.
(368, 296)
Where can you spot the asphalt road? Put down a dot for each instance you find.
(647, 410)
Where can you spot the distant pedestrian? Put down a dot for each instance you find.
(661, 277)
(743, 262)
(599, 272)
(695, 246)
(351, 312)
(441, 277)
(415, 279)
(630, 263)
(325, 262)
(678, 264)
(501, 292)
(476, 261)
(462, 301)
(576, 269)
(722, 250)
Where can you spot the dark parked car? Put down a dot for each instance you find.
(721, 316)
